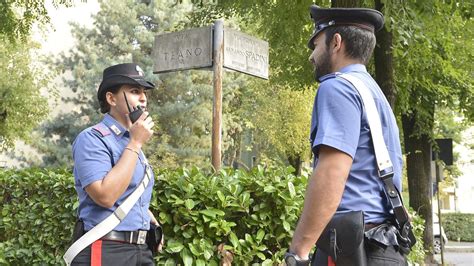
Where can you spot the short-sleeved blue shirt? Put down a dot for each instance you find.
(339, 120)
(94, 151)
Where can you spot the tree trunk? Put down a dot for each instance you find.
(231, 156)
(383, 59)
(417, 148)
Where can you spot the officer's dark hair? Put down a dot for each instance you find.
(104, 105)
(360, 43)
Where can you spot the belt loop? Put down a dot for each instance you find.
(131, 237)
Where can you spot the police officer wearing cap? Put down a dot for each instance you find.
(108, 166)
(345, 176)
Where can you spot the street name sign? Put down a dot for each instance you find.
(182, 50)
(245, 53)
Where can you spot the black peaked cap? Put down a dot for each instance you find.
(121, 74)
(365, 18)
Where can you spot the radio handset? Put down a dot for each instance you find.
(137, 111)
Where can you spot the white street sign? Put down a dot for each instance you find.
(245, 53)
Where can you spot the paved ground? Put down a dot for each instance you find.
(458, 254)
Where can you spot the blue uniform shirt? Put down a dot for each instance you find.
(93, 151)
(339, 121)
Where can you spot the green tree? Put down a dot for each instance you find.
(280, 119)
(22, 107)
(431, 72)
(17, 17)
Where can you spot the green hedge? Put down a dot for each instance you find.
(250, 214)
(37, 215)
(246, 217)
(459, 226)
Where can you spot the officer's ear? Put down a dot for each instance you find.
(111, 98)
(336, 43)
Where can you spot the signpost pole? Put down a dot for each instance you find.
(438, 180)
(218, 59)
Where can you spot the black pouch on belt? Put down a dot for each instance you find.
(343, 239)
(153, 238)
(78, 230)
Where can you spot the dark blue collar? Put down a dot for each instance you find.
(346, 69)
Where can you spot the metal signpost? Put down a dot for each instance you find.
(214, 47)
(445, 154)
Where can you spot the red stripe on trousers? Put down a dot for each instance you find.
(96, 253)
(331, 261)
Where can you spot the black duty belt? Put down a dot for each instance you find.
(132, 237)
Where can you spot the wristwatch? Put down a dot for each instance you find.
(291, 259)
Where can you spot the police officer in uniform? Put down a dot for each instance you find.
(345, 176)
(108, 166)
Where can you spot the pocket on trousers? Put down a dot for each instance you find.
(377, 255)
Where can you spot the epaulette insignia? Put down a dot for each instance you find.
(116, 130)
(102, 130)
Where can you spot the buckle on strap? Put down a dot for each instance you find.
(387, 177)
(120, 213)
(386, 173)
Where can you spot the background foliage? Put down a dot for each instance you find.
(459, 226)
(22, 107)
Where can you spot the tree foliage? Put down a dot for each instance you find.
(22, 107)
(17, 17)
(280, 119)
(431, 72)
(433, 60)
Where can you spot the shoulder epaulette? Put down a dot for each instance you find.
(101, 129)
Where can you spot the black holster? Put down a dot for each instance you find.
(343, 239)
(78, 231)
(153, 238)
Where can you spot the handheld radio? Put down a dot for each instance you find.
(137, 111)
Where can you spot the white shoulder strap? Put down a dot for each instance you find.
(109, 223)
(384, 163)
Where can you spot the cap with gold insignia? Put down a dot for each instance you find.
(128, 73)
(364, 18)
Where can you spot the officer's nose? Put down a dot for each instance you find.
(143, 97)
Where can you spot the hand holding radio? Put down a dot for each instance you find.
(142, 124)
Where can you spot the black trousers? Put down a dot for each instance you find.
(376, 255)
(105, 252)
